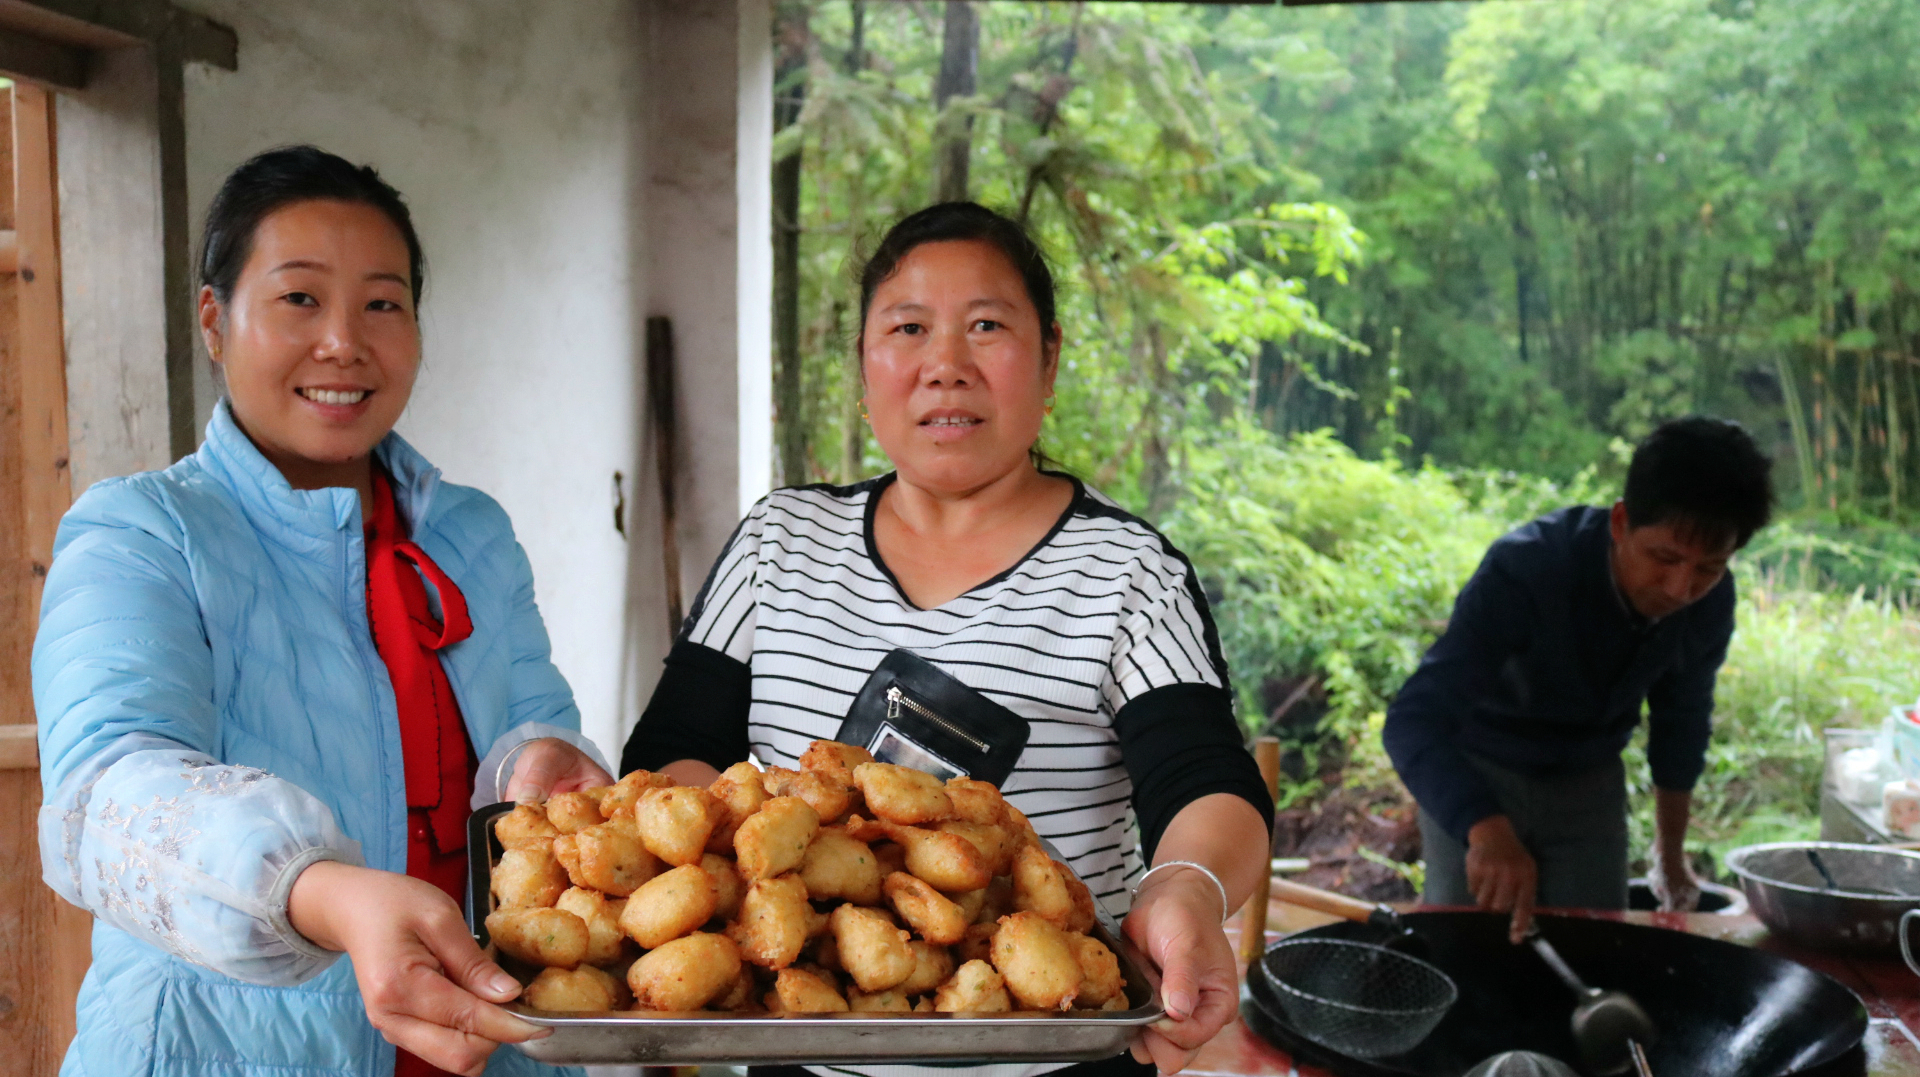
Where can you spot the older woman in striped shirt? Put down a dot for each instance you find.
(1023, 584)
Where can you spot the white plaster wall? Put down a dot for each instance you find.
(709, 205)
(753, 194)
(515, 128)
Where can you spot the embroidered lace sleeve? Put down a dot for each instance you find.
(192, 855)
(143, 826)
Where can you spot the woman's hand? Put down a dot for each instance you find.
(1176, 921)
(550, 765)
(426, 986)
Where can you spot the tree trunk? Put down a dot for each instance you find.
(790, 426)
(853, 428)
(1156, 463)
(1047, 108)
(959, 63)
(857, 49)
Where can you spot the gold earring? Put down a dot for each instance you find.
(864, 417)
(1049, 404)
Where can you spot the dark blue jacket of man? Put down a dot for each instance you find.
(1543, 670)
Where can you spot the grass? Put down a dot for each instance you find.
(1802, 660)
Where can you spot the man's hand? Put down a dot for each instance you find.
(1671, 877)
(1674, 884)
(1176, 921)
(550, 765)
(425, 985)
(1501, 873)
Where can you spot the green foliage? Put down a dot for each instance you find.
(1325, 564)
(1340, 285)
(1812, 554)
(1582, 217)
(1182, 258)
(1590, 215)
(1321, 562)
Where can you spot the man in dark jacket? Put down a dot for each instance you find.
(1510, 732)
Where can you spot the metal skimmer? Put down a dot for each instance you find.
(1356, 998)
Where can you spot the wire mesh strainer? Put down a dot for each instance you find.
(1358, 999)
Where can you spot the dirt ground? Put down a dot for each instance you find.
(1331, 832)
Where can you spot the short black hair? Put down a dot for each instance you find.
(962, 221)
(1705, 476)
(279, 178)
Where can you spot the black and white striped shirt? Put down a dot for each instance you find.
(1099, 637)
(1102, 618)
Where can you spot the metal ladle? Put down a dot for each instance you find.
(1607, 1025)
(1819, 865)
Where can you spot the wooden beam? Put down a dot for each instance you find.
(111, 24)
(49, 22)
(46, 949)
(200, 40)
(40, 60)
(100, 24)
(1253, 915)
(19, 747)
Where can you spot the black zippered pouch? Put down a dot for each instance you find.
(913, 714)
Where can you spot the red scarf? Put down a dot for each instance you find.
(433, 739)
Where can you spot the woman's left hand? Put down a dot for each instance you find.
(1176, 921)
(550, 765)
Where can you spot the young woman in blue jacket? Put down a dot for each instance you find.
(273, 679)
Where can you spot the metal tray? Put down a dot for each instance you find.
(661, 1039)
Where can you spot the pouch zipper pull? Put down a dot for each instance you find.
(897, 699)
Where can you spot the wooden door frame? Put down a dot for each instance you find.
(57, 934)
(45, 46)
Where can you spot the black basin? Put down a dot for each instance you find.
(1713, 898)
(1722, 1010)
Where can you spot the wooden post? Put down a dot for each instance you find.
(664, 412)
(41, 370)
(1253, 918)
(47, 940)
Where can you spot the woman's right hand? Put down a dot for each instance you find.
(427, 987)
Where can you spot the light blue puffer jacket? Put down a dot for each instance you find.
(214, 717)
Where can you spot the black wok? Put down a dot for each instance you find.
(1723, 1010)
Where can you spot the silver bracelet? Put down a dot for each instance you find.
(504, 772)
(1226, 907)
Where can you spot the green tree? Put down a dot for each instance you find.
(1183, 260)
(1594, 214)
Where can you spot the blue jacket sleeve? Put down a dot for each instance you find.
(542, 703)
(143, 825)
(1490, 623)
(1680, 704)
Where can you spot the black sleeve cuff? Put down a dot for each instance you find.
(698, 711)
(1181, 743)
